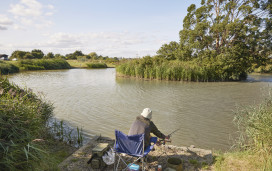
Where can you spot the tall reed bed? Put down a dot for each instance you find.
(25, 133)
(7, 68)
(255, 126)
(255, 131)
(152, 68)
(44, 64)
(23, 118)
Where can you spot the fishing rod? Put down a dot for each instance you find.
(163, 141)
(173, 132)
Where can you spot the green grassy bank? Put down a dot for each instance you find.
(161, 69)
(253, 149)
(8, 68)
(43, 64)
(26, 142)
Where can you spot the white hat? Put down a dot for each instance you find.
(147, 113)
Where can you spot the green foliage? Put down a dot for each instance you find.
(74, 55)
(96, 65)
(236, 33)
(34, 54)
(93, 56)
(23, 118)
(37, 54)
(18, 54)
(255, 126)
(7, 68)
(169, 51)
(50, 55)
(28, 137)
(44, 64)
(161, 69)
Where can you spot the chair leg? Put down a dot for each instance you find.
(143, 163)
(117, 163)
(114, 161)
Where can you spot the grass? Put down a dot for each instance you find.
(8, 68)
(253, 149)
(77, 64)
(243, 160)
(84, 64)
(26, 141)
(43, 64)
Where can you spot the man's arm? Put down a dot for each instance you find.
(155, 130)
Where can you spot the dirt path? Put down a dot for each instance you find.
(192, 158)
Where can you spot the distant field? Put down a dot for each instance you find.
(81, 64)
(77, 64)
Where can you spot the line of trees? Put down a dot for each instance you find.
(38, 54)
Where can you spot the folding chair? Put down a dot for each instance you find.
(131, 145)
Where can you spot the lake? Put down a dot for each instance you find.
(98, 102)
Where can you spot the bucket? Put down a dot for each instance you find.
(133, 167)
(174, 163)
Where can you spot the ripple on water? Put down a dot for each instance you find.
(99, 103)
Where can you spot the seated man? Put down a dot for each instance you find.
(143, 124)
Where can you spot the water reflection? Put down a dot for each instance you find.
(99, 102)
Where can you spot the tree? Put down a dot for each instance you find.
(169, 51)
(50, 55)
(28, 55)
(235, 33)
(59, 56)
(37, 54)
(18, 54)
(78, 53)
(223, 24)
(70, 56)
(93, 55)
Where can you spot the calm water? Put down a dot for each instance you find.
(99, 102)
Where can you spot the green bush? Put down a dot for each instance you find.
(264, 69)
(44, 64)
(97, 65)
(7, 68)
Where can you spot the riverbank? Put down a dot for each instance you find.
(10, 67)
(192, 158)
(27, 142)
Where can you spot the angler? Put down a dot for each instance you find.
(143, 124)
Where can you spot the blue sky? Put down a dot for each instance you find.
(122, 28)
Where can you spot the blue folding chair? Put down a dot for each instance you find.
(131, 145)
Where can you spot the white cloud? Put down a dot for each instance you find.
(31, 13)
(50, 7)
(26, 8)
(49, 13)
(19, 27)
(121, 44)
(3, 28)
(4, 20)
